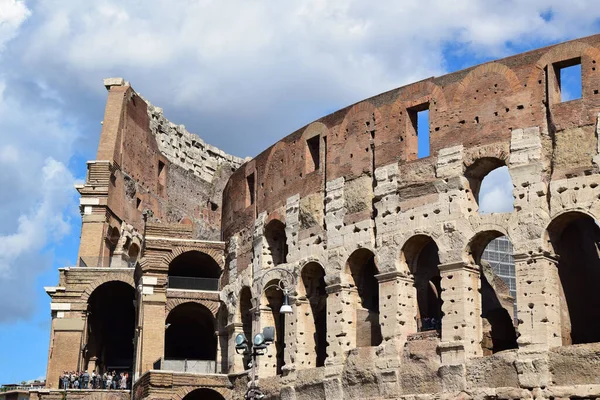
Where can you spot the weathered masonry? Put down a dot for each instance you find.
(382, 230)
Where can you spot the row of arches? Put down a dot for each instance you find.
(191, 329)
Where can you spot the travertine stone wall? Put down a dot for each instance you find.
(372, 194)
(370, 214)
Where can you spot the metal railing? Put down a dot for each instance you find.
(189, 283)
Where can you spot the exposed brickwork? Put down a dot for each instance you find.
(398, 240)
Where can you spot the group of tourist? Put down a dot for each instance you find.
(84, 380)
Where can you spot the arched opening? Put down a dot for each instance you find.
(110, 328)
(203, 394)
(491, 185)
(422, 257)
(493, 253)
(575, 238)
(314, 327)
(361, 266)
(194, 270)
(223, 318)
(133, 252)
(273, 299)
(277, 243)
(246, 318)
(190, 340)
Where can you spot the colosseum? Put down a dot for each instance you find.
(373, 237)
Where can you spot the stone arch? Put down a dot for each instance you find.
(271, 300)
(421, 92)
(574, 236)
(211, 305)
(479, 169)
(110, 327)
(490, 68)
(275, 235)
(121, 277)
(360, 273)
(497, 276)
(362, 126)
(183, 391)
(274, 179)
(310, 146)
(311, 316)
(565, 51)
(420, 256)
(215, 254)
(190, 329)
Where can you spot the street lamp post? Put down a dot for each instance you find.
(260, 341)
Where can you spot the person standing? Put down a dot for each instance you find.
(85, 377)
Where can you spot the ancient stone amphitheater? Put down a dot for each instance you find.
(381, 248)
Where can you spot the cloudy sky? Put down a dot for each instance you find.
(240, 73)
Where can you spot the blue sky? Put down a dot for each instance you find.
(240, 74)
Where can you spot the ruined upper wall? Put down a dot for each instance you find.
(156, 166)
(476, 108)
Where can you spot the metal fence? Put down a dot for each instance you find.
(188, 283)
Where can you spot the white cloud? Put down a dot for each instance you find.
(266, 68)
(496, 192)
(241, 74)
(12, 15)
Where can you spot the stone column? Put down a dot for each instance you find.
(151, 339)
(305, 356)
(267, 363)
(461, 322)
(341, 322)
(538, 302)
(236, 361)
(397, 305)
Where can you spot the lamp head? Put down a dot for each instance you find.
(286, 308)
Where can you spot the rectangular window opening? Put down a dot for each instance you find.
(314, 148)
(568, 79)
(250, 187)
(419, 117)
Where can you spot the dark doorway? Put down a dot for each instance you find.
(204, 394)
(111, 325)
(361, 265)
(422, 257)
(575, 238)
(313, 279)
(190, 333)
